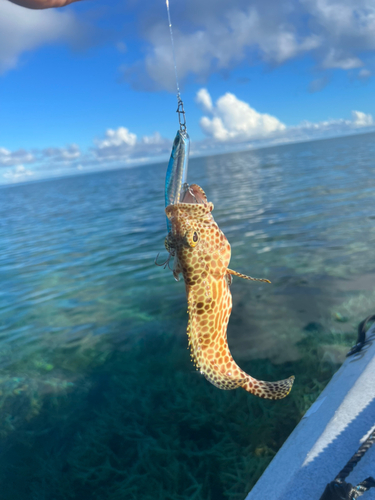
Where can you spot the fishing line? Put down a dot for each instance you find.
(176, 185)
(173, 50)
(180, 104)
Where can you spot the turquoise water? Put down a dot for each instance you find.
(98, 398)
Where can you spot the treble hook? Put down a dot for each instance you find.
(166, 263)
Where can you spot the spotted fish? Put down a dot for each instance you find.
(202, 253)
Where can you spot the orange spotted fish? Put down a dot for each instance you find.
(202, 253)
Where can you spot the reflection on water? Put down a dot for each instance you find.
(96, 386)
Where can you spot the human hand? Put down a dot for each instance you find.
(42, 4)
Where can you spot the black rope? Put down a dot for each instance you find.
(361, 340)
(339, 489)
(346, 491)
(356, 458)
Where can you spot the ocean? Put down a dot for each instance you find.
(98, 397)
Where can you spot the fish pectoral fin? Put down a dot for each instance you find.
(235, 273)
(176, 268)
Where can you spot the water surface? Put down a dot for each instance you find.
(98, 398)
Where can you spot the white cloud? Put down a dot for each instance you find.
(17, 174)
(307, 131)
(8, 158)
(117, 148)
(234, 120)
(364, 74)
(318, 84)
(24, 30)
(341, 61)
(347, 28)
(203, 98)
(225, 41)
(67, 154)
(47, 156)
(123, 145)
(119, 137)
(216, 35)
(360, 119)
(234, 124)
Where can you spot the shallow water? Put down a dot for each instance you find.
(98, 398)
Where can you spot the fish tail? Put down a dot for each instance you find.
(235, 378)
(268, 390)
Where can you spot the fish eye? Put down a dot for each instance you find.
(192, 238)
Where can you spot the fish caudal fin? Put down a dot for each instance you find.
(235, 378)
(268, 390)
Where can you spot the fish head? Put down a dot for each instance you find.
(200, 247)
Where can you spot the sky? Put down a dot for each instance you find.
(91, 86)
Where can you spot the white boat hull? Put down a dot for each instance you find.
(327, 437)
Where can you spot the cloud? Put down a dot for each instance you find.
(235, 124)
(234, 120)
(17, 174)
(364, 74)
(232, 124)
(360, 119)
(341, 61)
(24, 30)
(115, 149)
(115, 138)
(8, 158)
(318, 84)
(203, 98)
(307, 131)
(47, 155)
(348, 29)
(66, 154)
(216, 44)
(123, 145)
(340, 126)
(216, 36)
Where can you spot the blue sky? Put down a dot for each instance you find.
(91, 86)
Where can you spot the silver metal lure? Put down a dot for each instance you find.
(175, 180)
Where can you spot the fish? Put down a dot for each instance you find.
(175, 181)
(202, 254)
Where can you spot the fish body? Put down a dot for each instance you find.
(175, 181)
(202, 254)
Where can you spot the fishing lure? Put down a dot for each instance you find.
(175, 181)
(202, 254)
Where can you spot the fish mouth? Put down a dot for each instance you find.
(194, 194)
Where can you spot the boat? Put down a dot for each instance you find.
(327, 437)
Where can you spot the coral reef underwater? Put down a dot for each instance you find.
(139, 424)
